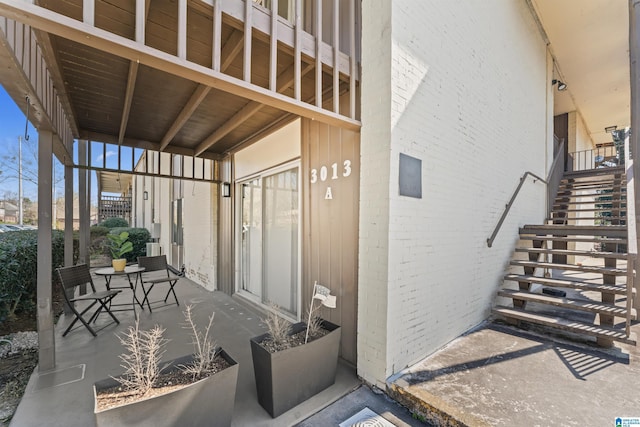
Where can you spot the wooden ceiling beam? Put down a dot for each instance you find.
(128, 99)
(63, 26)
(252, 107)
(229, 53)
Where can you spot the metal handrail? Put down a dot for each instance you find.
(508, 205)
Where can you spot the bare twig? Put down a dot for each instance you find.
(204, 348)
(141, 359)
(278, 327)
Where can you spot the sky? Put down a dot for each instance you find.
(12, 125)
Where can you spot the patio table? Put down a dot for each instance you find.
(130, 270)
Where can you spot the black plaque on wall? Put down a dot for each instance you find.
(410, 176)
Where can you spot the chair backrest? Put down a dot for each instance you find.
(153, 263)
(76, 275)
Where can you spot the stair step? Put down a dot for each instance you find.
(617, 170)
(619, 208)
(575, 239)
(571, 267)
(588, 218)
(618, 231)
(567, 325)
(598, 186)
(564, 283)
(571, 303)
(590, 202)
(618, 194)
(592, 254)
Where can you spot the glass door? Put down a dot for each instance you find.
(270, 233)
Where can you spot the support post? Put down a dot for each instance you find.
(68, 217)
(634, 55)
(82, 202)
(46, 336)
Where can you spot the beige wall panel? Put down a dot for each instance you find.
(330, 237)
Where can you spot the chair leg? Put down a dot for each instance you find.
(171, 290)
(146, 295)
(79, 317)
(104, 305)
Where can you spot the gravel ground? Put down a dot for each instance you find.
(18, 359)
(19, 341)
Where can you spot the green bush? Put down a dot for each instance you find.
(139, 237)
(114, 222)
(19, 266)
(98, 231)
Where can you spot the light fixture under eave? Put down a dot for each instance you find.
(610, 129)
(561, 85)
(226, 189)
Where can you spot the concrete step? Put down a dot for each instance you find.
(571, 267)
(570, 303)
(567, 325)
(571, 284)
(592, 254)
(622, 203)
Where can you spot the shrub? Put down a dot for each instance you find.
(98, 231)
(138, 238)
(114, 222)
(19, 266)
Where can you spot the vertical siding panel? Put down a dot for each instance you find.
(330, 227)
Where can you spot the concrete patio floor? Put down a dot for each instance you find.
(497, 375)
(64, 397)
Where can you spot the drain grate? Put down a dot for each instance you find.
(366, 418)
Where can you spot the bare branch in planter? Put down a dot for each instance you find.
(204, 348)
(277, 326)
(314, 323)
(141, 359)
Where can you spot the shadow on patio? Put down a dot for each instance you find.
(65, 396)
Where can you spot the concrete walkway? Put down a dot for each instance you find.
(497, 375)
(65, 397)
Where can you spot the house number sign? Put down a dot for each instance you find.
(322, 175)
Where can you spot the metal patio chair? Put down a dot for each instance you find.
(155, 268)
(70, 279)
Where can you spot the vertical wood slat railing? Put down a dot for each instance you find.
(337, 57)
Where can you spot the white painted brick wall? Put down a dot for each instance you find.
(375, 148)
(468, 97)
(200, 231)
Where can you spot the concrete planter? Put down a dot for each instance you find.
(206, 402)
(289, 377)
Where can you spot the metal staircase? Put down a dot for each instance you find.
(571, 274)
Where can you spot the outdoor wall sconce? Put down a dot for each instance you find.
(145, 195)
(561, 86)
(610, 129)
(226, 189)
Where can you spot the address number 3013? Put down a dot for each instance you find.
(335, 174)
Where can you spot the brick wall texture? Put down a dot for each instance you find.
(462, 86)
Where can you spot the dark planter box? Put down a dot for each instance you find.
(289, 377)
(206, 402)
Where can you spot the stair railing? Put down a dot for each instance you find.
(552, 182)
(632, 242)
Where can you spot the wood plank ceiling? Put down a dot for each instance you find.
(114, 100)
